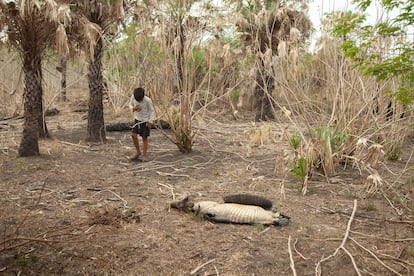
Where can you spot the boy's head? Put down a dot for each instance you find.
(139, 93)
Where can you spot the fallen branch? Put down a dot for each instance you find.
(194, 271)
(125, 203)
(331, 212)
(381, 238)
(375, 257)
(341, 246)
(292, 262)
(172, 174)
(75, 145)
(297, 252)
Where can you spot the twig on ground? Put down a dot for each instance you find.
(75, 145)
(292, 262)
(172, 174)
(30, 211)
(217, 272)
(382, 238)
(169, 187)
(341, 246)
(195, 270)
(115, 194)
(300, 254)
(352, 260)
(375, 256)
(328, 211)
(392, 205)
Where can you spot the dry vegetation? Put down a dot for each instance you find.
(337, 158)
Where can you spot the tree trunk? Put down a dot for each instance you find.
(34, 125)
(184, 137)
(62, 68)
(96, 125)
(264, 94)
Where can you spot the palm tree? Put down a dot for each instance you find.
(176, 32)
(96, 22)
(264, 25)
(31, 27)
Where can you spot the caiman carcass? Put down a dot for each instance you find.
(259, 210)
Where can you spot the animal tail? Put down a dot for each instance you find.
(248, 199)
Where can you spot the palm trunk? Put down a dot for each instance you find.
(264, 89)
(33, 125)
(96, 125)
(62, 68)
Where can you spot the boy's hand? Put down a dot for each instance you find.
(136, 108)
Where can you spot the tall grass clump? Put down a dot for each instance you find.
(11, 84)
(333, 106)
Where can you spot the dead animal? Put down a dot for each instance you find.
(239, 213)
(249, 199)
(234, 212)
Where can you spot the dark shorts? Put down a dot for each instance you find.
(141, 128)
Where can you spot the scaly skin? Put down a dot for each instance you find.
(239, 213)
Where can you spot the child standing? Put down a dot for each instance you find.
(144, 115)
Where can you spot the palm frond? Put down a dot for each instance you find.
(63, 15)
(62, 45)
(118, 10)
(92, 32)
(50, 10)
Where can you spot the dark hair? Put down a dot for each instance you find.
(139, 93)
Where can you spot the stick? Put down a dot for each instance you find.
(292, 262)
(352, 260)
(331, 212)
(194, 271)
(171, 174)
(342, 245)
(75, 145)
(382, 238)
(375, 256)
(115, 194)
(300, 254)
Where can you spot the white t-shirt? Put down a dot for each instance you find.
(147, 112)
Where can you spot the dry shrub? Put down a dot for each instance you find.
(11, 84)
(259, 135)
(324, 91)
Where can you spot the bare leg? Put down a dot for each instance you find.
(136, 144)
(144, 147)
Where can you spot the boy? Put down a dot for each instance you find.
(144, 115)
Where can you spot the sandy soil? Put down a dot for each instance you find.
(84, 209)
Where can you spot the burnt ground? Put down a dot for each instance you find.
(84, 209)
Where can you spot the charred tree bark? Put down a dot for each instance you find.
(264, 94)
(34, 125)
(62, 68)
(96, 125)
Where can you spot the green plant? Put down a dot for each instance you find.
(335, 137)
(189, 163)
(393, 151)
(370, 207)
(23, 261)
(41, 166)
(234, 96)
(301, 171)
(260, 227)
(366, 45)
(300, 168)
(295, 141)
